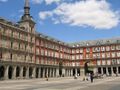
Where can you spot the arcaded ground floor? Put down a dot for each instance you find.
(30, 71)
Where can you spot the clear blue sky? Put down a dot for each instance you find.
(69, 20)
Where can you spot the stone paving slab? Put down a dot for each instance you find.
(53, 84)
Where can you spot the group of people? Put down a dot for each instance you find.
(91, 75)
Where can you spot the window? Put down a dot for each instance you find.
(11, 44)
(98, 62)
(11, 56)
(107, 48)
(0, 55)
(112, 47)
(103, 55)
(81, 50)
(87, 49)
(102, 48)
(108, 55)
(118, 54)
(113, 54)
(81, 56)
(118, 47)
(114, 61)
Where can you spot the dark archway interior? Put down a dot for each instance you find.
(99, 70)
(2, 70)
(114, 70)
(17, 71)
(30, 72)
(74, 72)
(41, 75)
(60, 69)
(24, 72)
(10, 71)
(37, 72)
(104, 70)
(109, 70)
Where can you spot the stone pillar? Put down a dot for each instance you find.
(6, 72)
(68, 72)
(43, 72)
(75, 71)
(50, 72)
(82, 72)
(112, 71)
(21, 72)
(14, 72)
(39, 73)
(53, 72)
(63, 71)
(117, 70)
(102, 70)
(27, 73)
(107, 73)
(34, 72)
(71, 72)
(57, 72)
(47, 71)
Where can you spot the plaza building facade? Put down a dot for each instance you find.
(25, 53)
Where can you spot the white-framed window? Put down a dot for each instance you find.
(108, 55)
(103, 62)
(118, 47)
(108, 62)
(112, 47)
(118, 54)
(103, 55)
(98, 62)
(77, 56)
(87, 49)
(113, 54)
(114, 61)
(102, 48)
(81, 56)
(81, 50)
(107, 48)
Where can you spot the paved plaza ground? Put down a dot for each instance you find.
(67, 83)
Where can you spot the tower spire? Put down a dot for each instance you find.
(26, 16)
(27, 8)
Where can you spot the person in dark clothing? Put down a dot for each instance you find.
(91, 77)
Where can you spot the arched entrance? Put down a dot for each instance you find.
(99, 70)
(17, 71)
(10, 71)
(109, 71)
(73, 71)
(41, 73)
(2, 70)
(60, 68)
(114, 70)
(78, 71)
(24, 71)
(37, 72)
(104, 70)
(30, 72)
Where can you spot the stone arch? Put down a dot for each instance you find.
(17, 71)
(2, 71)
(10, 72)
(37, 72)
(24, 71)
(30, 72)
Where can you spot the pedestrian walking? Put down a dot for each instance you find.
(91, 77)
